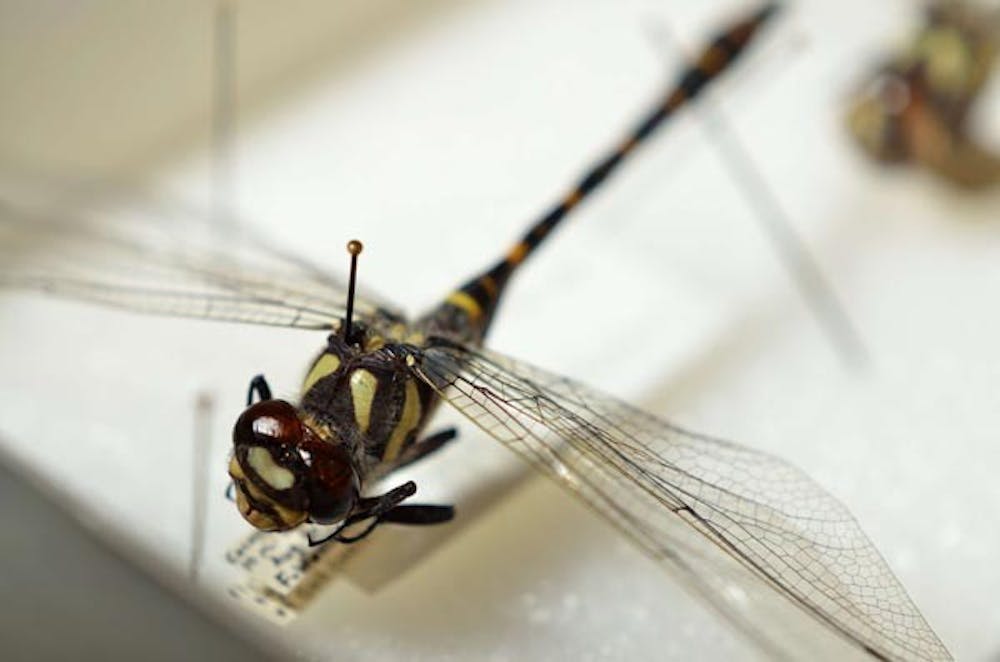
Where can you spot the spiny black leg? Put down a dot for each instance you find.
(428, 445)
(386, 508)
(375, 506)
(419, 514)
(370, 508)
(342, 537)
(259, 386)
(407, 514)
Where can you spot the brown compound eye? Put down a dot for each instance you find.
(286, 472)
(332, 484)
(270, 423)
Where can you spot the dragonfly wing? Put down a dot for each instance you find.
(171, 262)
(763, 543)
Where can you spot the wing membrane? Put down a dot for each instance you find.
(171, 261)
(763, 543)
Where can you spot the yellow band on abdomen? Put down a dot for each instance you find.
(466, 302)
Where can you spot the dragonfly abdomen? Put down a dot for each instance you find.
(467, 312)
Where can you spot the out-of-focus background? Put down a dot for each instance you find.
(434, 131)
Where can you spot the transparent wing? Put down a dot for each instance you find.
(168, 260)
(761, 542)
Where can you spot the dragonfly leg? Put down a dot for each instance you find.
(420, 514)
(259, 386)
(386, 508)
(427, 445)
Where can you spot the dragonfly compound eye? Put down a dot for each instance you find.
(332, 485)
(285, 473)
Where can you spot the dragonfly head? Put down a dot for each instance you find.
(285, 473)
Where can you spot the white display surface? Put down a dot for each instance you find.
(436, 148)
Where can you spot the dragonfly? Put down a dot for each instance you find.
(751, 535)
(917, 105)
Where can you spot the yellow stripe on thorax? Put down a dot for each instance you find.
(363, 385)
(325, 365)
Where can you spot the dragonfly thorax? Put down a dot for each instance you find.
(367, 394)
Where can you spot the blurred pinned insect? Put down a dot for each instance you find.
(757, 539)
(918, 105)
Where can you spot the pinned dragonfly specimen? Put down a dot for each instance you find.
(754, 537)
(917, 107)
